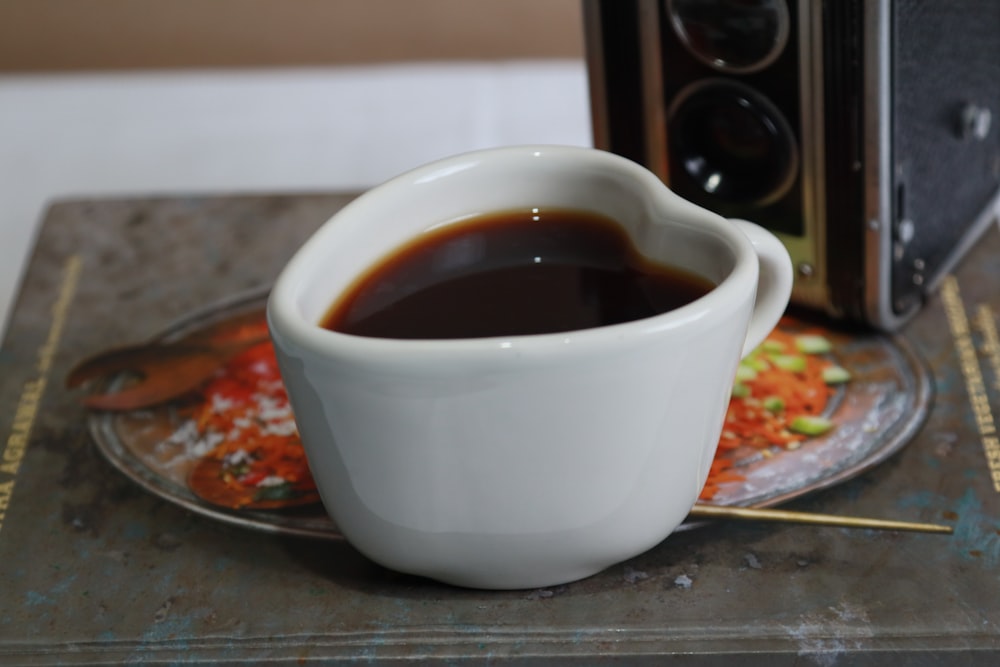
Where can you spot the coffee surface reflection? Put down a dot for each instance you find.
(531, 271)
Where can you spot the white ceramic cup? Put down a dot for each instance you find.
(523, 461)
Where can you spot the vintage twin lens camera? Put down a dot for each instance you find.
(864, 133)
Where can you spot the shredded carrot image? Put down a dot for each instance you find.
(781, 393)
(259, 460)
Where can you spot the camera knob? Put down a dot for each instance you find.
(975, 122)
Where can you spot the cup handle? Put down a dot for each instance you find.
(774, 286)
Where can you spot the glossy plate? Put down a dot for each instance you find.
(876, 414)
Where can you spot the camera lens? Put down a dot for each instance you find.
(732, 142)
(731, 35)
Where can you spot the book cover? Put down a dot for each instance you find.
(95, 567)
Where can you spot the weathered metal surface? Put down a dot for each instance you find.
(93, 569)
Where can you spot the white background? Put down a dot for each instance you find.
(273, 131)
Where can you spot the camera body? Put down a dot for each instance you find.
(864, 133)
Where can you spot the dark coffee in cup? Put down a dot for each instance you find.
(531, 271)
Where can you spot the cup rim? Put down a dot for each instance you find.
(287, 321)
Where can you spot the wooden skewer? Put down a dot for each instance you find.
(700, 511)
